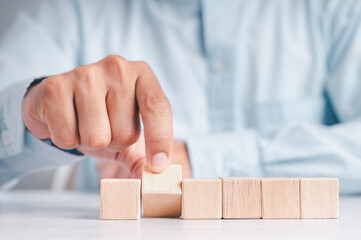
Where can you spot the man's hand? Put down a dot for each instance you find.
(114, 169)
(96, 108)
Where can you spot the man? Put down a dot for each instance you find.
(257, 88)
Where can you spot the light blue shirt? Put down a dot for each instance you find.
(258, 88)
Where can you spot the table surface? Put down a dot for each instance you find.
(48, 215)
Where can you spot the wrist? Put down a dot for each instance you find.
(30, 111)
(35, 82)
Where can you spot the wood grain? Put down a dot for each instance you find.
(120, 199)
(241, 197)
(202, 199)
(319, 197)
(161, 192)
(280, 197)
(162, 205)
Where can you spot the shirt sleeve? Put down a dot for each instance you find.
(33, 47)
(20, 151)
(301, 149)
(297, 150)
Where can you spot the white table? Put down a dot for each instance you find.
(49, 215)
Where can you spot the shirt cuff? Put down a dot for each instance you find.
(12, 129)
(48, 155)
(11, 123)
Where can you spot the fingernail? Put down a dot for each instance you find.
(159, 162)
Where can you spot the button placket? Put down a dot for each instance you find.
(5, 137)
(219, 46)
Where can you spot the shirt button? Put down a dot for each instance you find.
(219, 66)
(5, 137)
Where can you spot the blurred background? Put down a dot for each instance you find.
(8, 12)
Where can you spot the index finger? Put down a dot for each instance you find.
(156, 114)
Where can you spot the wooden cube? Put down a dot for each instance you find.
(280, 197)
(120, 199)
(202, 199)
(319, 197)
(241, 198)
(161, 192)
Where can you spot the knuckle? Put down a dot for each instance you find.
(66, 140)
(84, 74)
(126, 138)
(164, 136)
(144, 66)
(157, 105)
(96, 142)
(116, 61)
(52, 87)
(117, 65)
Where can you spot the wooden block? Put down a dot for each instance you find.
(120, 199)
(241, 197)
(319, 197)
(161, 192)
(280, 197)
(202, 199)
